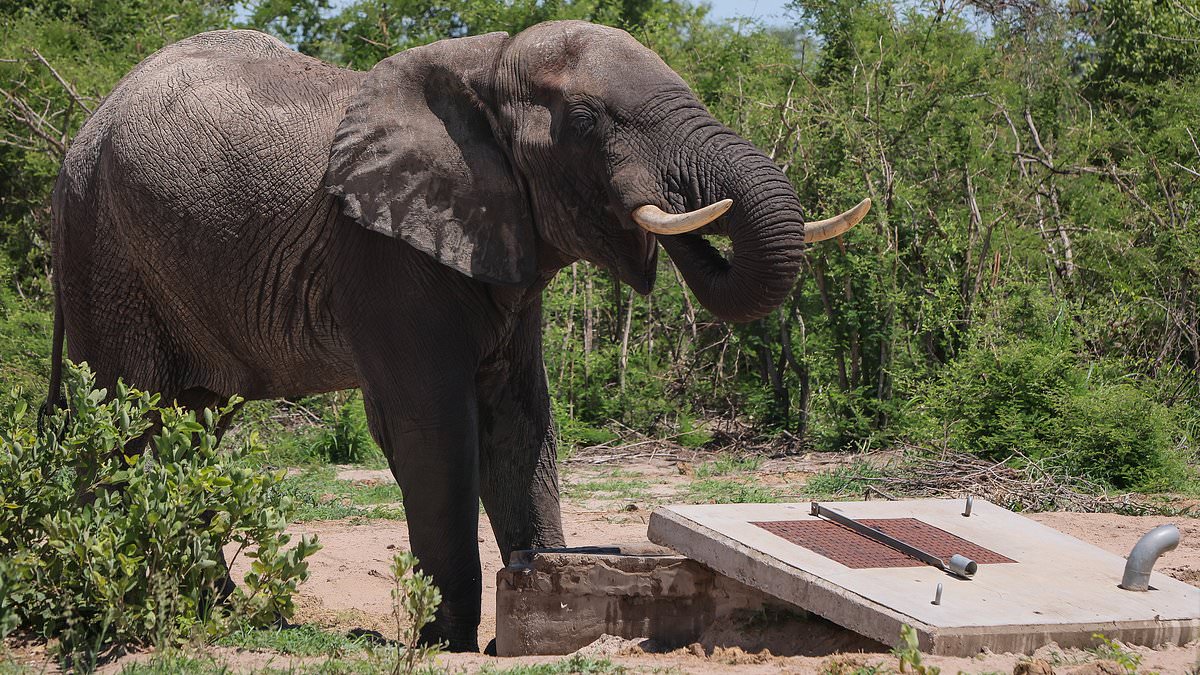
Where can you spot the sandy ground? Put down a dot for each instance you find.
(349, 587)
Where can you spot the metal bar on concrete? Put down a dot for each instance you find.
(957, 565)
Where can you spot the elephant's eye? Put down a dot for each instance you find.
(581, 119)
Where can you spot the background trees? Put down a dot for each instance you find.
(1028, 280)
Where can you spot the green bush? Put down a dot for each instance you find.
(25, 329)
(414, 603)
(574, 432)
(1117, 435)
(1025, 389)
(344, 438)
(994, 402)
(100, 549)
(690, 434)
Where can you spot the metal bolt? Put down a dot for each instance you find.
(937, 596)
(970, 503)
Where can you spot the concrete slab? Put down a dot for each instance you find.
(1058, 589)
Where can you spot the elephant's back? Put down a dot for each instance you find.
(206, 156)
(220, 110)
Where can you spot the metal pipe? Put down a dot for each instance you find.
(970, 503)
(961, 566)
(1145, 553)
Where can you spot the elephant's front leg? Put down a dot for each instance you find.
(429, 433)
(518, 471)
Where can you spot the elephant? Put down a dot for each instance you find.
(238, 218)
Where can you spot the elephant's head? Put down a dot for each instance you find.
(504, 156)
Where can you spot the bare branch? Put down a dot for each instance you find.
(1191, 171)
(1131, 191)
(1037, 138)
(1075, 169)
(18, 142)
(1182, 7)
(35, 123)
(61, 80)
(1168, 38)
(372, 42)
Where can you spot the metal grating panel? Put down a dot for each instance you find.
(856, 551)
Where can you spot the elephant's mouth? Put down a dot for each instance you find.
(686, 229)
(643, 267)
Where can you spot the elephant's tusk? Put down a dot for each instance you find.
(654, 219)
(820, 230)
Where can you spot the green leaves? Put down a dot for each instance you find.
(102, 547)
(414, 602)
(1024, 389)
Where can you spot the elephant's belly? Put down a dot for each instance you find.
(245, 305)
(265, 346)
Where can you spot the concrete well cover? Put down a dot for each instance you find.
(1056, 589)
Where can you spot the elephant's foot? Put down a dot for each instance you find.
(218, 594)
(459, 638)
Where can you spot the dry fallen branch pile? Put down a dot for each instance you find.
(1018, 483)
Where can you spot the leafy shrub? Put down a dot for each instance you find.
(992, 402)
(908, 652)
(1024, 389)
(100, 549)
(574, 432)
(690, 434)
(25, 329)
(1117, 435)
(1111, 650)
(415, 600)
(344, 438)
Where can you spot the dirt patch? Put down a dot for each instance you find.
(1117, 534)
(349, 582)
(779, 632)
(365, 476)
(349, 589)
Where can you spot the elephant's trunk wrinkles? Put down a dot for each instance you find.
(765, 226)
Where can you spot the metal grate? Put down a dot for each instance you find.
(856, 551)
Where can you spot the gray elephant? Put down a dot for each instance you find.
(239, 218)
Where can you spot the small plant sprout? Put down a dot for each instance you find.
(414, 601)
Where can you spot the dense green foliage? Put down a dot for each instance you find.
(102, 549)
(1027, 282)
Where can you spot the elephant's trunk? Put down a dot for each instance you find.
(765, 226)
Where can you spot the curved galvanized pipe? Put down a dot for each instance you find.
(1145, 553)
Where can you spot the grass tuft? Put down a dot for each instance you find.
(729, 464)
(723, 491)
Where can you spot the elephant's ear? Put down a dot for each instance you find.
(415, 157)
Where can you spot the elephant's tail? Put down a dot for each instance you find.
(54, 397)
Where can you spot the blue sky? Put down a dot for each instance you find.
(767, 11)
